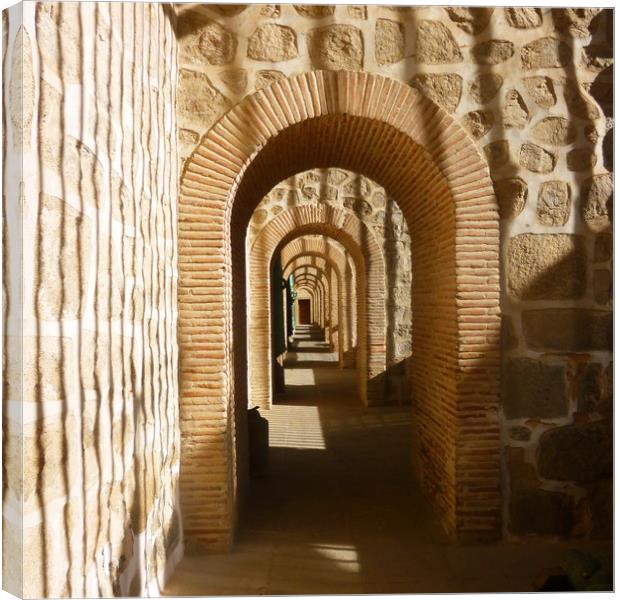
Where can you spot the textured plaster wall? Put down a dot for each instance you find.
(369, 202)
(533, 88)
(91, 436)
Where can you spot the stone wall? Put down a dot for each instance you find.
(369, 202)
(91, 437)
(533, 88)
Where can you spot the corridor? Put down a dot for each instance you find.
(338, 511)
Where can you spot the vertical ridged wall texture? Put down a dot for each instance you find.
(91, 397)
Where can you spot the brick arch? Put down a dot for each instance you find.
(360, 242)
(342, 339)
(300, 269)
(347, 337)
(424, 159)
(334, 267)
(320, 282)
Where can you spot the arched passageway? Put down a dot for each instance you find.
(335, 254)
(426, 161)
(362, 246)
(333, 274)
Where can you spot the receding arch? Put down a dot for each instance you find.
(318, 279)
(425, 160)
(334, 276)
(344, 227)
(327, 248)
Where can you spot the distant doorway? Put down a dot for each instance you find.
(305, 310)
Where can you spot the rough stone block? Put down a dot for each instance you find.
(336, 47)
(553, 207)
(205, 41)
(544, 53)
(580, 452)
(389, 41)
(549, 266)
(471, 20)
(523, 18)
(273, 43)
(512, 196)
(537, 159)
(443, 88)
(492, 52)
(556, 131)
(485, 86)
(514, 112)
(534, 389)
(435, 44)
(597, 201)
(478, 122)
(541, 90)
(567, 329)
(580, 159)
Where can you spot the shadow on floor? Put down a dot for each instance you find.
(338, 512)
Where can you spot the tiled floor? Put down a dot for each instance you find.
(339, 513)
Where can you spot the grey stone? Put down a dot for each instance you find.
(578, 103)
(389, 41)
(478, 122)
(553, 208)
(273, 43)
(435, 44)
(514, 112)
(597, 201)
(492, 52)
(556, 131)
(574, 21)
(541, 90)
(471, 20)
(537, 159)
(579, 452)
(534, 389)
(443, 88)
(567, 329)
(523, 18)
(205, 40)
(547, 52)
(336, 47)
(485, 87)
(316, 12)
(512, 196)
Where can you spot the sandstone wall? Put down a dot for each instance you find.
(369, 202)
(90, 403)
(533, 87)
